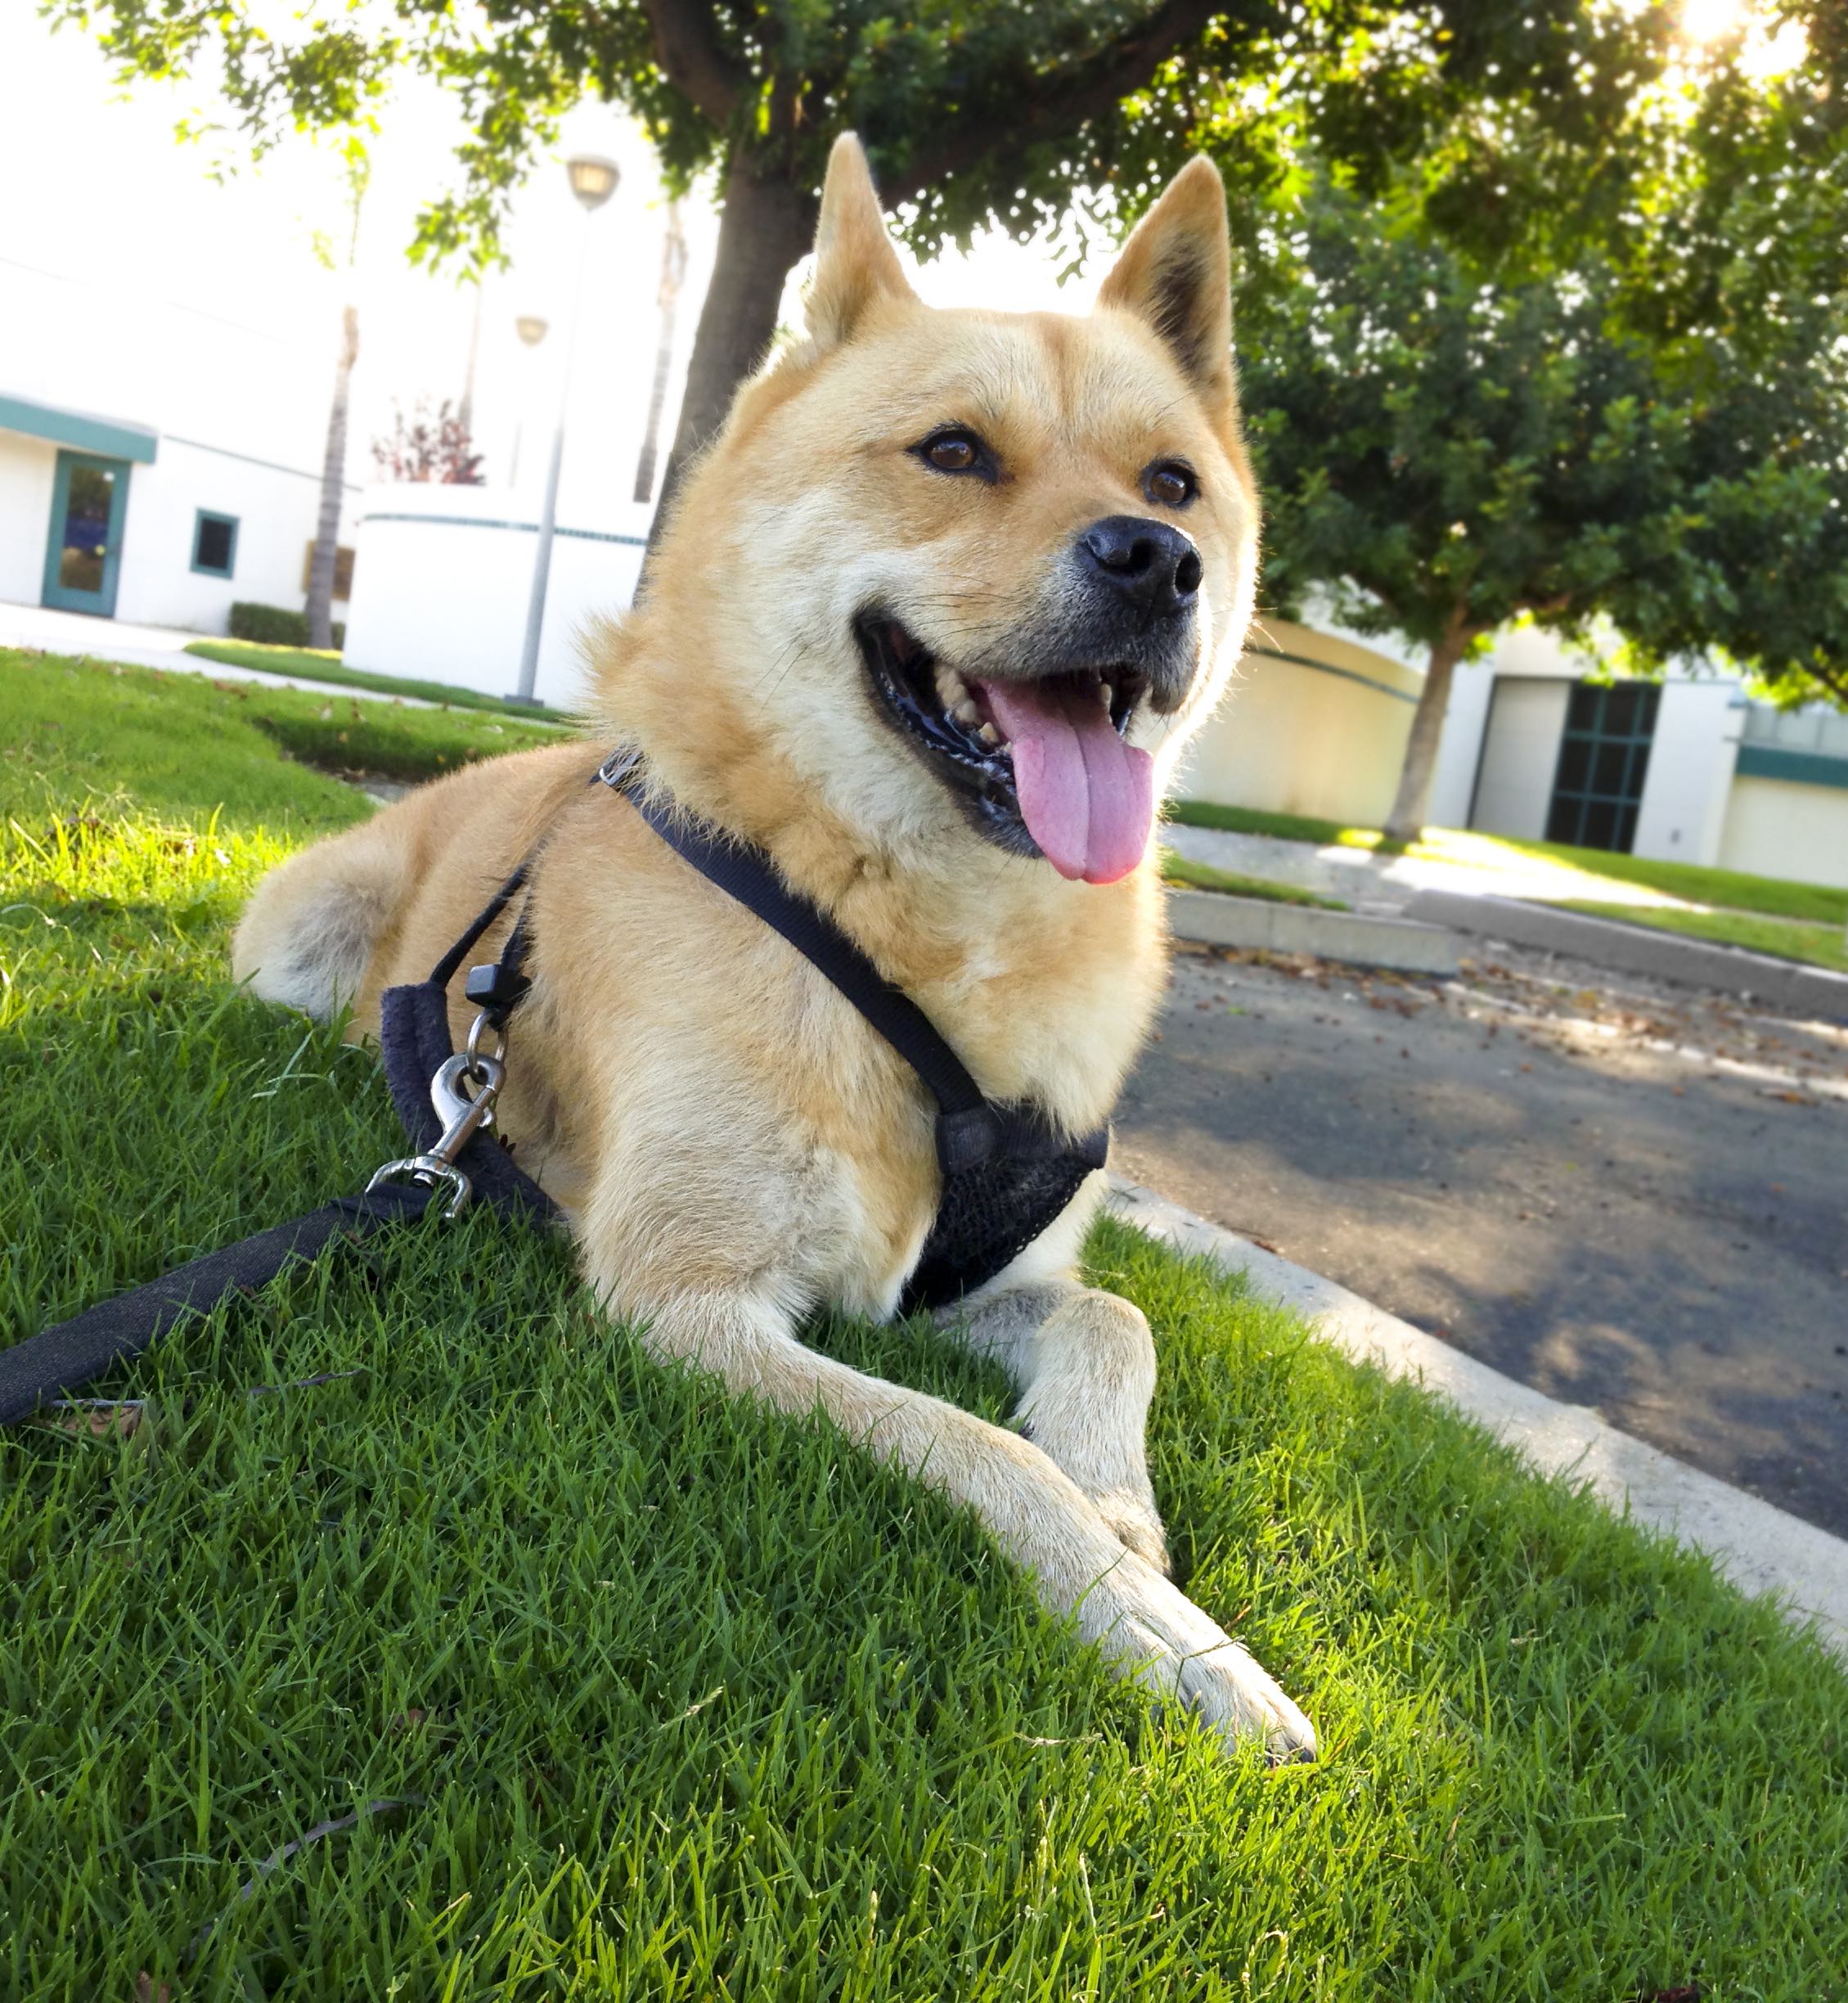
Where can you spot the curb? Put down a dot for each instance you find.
(1214, 918)
(1785, 985)
(1760, 1548)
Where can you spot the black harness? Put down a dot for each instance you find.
(1007, 1172)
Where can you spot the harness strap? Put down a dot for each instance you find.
(444, 970)
(969, 1127)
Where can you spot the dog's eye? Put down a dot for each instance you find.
(956, 452)
(1169, 483)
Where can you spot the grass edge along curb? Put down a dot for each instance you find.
(309, 665)
(1801, 943)
(1775, 897)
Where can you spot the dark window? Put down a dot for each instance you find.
(1603, 761)
(214, 544)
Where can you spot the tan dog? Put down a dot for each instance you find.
(933, 615)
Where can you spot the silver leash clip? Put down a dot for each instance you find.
(462, 1118)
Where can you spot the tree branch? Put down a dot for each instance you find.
(1088, 91)
(694, 60)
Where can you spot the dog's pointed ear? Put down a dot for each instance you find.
(1175, 273)
(855, 263)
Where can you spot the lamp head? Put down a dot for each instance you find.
(593, 178)
(530, 329)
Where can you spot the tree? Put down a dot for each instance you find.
(972, 110)
(333, 480)
(356, 172)
(434, 449)
(673, 275)
(1442, 453)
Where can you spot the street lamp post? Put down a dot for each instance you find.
(532, 330)
(593, 181)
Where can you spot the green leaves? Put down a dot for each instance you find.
(1440, 443)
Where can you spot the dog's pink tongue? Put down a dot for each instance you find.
(1088, 799)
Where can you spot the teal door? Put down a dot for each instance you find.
(89, 498)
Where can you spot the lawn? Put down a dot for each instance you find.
(1179, 869)
(1732, 890)
(637, 1691)
(310, 664)
(1819, 945)
(177, 739)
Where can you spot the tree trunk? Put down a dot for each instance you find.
(766, 226)
(333, 479)
(1406, 821)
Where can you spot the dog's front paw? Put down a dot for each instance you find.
(1173, 1649)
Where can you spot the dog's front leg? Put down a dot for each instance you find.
(1085, 1363)
(1143, 1624)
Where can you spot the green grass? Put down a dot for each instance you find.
(311, 663)
(684, 1701)
(1179, 869)
(1817, 945)
(1734, 889)
(1286, 827)
(182, 739)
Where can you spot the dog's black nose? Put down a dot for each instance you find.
(1148, 561)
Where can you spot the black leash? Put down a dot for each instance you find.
(59, 1359)
(448, 1124)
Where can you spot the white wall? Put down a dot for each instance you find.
(443, 597)
(1520, 756)
(276, 507)
(1323, 734)
(26, 469)
(1779, 827)
(1697, 743)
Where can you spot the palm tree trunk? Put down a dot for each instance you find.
(674, 272)
(1406, 821)
(333, 481)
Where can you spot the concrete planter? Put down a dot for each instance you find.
(1211, 919)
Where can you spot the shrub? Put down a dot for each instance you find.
(276, 626)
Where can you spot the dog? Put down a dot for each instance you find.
(932, 618)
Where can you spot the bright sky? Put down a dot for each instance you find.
(136, 251)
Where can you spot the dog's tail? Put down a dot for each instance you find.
(310, 931)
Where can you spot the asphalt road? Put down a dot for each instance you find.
(1632, 1198)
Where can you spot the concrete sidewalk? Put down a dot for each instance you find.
(38, 628)
(1760, 1548)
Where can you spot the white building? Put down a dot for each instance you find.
(159, 479)
(1689, 769)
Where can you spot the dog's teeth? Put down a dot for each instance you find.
(951, 689)
(987, 733)
(965, 712)
(1105, 694)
